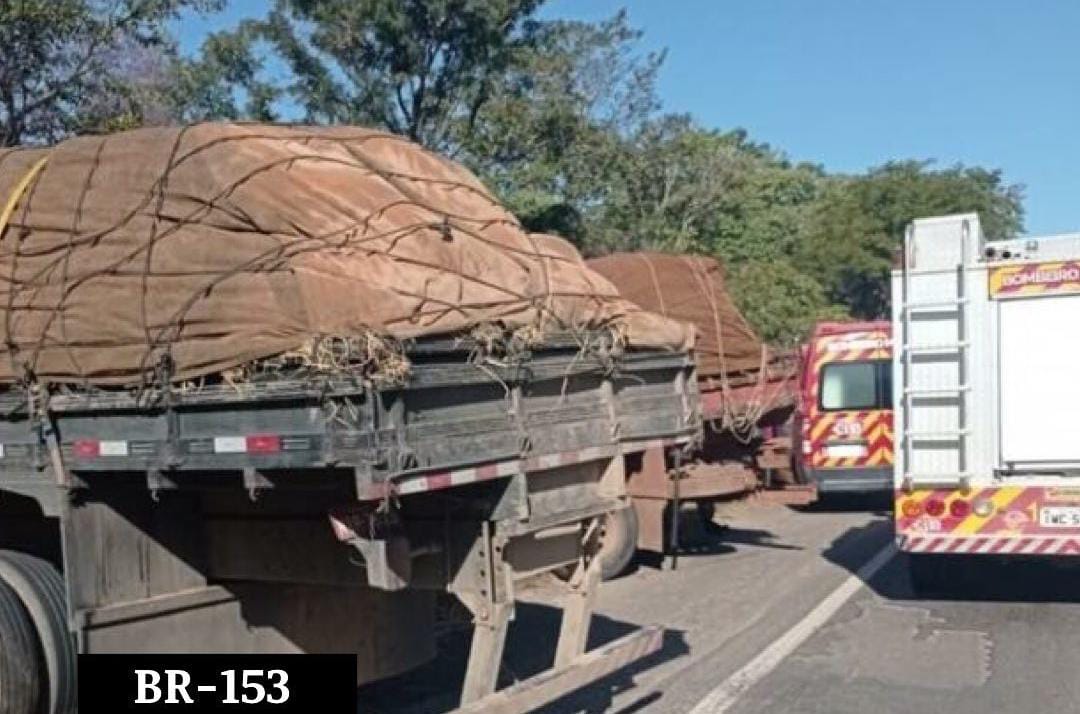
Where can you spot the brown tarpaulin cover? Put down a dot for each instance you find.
(219, 244)
(691, 289)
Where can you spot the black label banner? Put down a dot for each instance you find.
(151, 683)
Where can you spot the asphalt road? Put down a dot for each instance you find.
(1006, 641)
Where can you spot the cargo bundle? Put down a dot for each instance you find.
(743, 382)
(199, 249)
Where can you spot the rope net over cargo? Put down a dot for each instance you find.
(210, 246)
(729, 354)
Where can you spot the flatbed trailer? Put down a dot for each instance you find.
(747, 394)
(323, 513)
(726, 465)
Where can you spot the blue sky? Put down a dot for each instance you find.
(852, 84)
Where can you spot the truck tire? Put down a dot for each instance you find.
(21, 688)
(40, 587)
(618, 542)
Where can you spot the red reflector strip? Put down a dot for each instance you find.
(254, 444)
(86, 448)
(93, 448)
(263, 444)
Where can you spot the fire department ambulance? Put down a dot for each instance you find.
(844, 419)
(987, 379)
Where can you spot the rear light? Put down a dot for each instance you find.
(911, 508)
(959, 509)
(93, 448)
(253, 444)
(935, 507)
(263, 444)
(85, 448)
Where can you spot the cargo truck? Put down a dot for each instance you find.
(985, 385)
(205, 445)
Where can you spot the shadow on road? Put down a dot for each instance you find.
(716, 540)
(967, 578)
(876, 503)
(530, 649)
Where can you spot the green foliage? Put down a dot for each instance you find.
(683, 188)
(421, 68)
(859, 224)
(552, 139)
(58, 69)
(223, 82)
(779, 300)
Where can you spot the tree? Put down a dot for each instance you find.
(58, 68)
(537, 108)
(421, 68)
(552, 140)
(224, 81)
(860, 223)
(684, 188)
(779, 301)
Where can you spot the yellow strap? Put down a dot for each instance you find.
(16, 195)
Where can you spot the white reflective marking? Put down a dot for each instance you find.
(728, 692)
(112, 448)
(230, 444)
(413, 485)
(462, 476)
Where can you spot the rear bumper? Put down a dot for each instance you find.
(1007, 545)
(853, 480)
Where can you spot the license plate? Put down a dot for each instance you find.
(845, 451)
(1059, 516)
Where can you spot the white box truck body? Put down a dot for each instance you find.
(986, 385)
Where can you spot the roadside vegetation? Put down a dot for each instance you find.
(560, 118)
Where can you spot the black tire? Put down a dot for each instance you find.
(21, 665)
(40, 587)
(619, 542)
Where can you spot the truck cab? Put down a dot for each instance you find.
(844, 424)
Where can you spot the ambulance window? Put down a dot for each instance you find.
(851, 385)
(885, 384)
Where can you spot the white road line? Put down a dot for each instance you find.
(727, 693)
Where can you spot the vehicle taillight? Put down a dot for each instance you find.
(935, 507)
(911, 508)
(263, 444)
(959, 509)
(86, 448)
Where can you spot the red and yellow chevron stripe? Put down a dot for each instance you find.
(846, 439)
(1003, 520)
(872, 430)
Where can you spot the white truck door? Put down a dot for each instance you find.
(1040, 380)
